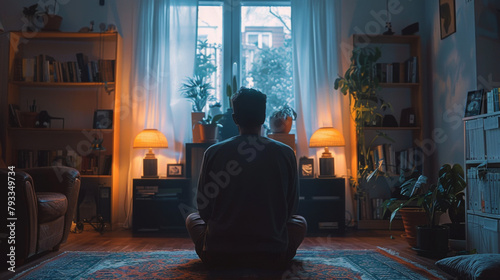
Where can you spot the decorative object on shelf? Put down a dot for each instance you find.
(410, 29)
(1, 26)
(388, 24)
(389, 121)
(44, 120)
(323, 138)
(474, 103)
(282, 119)
(447, 16)
(96, 144)
(306, 167)
(175, 170)
(408, 118)
(434, 200)
(89, 28)
(28, 119)
(208, 128)
(44, 18)
(103, 119)
(149, 139)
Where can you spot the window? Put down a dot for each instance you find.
(250, 40)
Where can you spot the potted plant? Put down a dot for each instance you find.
(229, 128)
(42, 17)
(434, 200)
(281, 120)
(51, 20)
(197, 91)
(208, 128)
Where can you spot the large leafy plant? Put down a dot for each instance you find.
(360, 82)
(445, 195)
(197, 89)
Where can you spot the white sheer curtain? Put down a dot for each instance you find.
(164, 55)
(315, 28)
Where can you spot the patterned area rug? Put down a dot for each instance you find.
(338, 264)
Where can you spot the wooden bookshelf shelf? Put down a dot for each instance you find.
(399, 85)
(47, 84)
(392, 128)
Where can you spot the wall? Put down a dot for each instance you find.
(451, 72)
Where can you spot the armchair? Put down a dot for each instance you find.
(45, 203)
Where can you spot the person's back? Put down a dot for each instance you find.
(247, 193)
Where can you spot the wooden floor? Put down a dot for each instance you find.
(123, 240)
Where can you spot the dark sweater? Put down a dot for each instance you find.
(247, 191)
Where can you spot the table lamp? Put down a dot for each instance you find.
(149, 139)
(326, 137)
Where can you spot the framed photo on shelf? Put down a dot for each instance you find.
(306, 167)
(175, 170)
(103, 119)
(474, 103)
(447, 18)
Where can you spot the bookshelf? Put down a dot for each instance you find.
(402, 90)
(42, 69)
(482, 172)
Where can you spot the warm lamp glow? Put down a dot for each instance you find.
(326, 137)
(149, 139)
(323, 138)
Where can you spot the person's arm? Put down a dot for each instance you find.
(293, 191)
(204, 204)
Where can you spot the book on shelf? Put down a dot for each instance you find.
(483, 190)
(384, 157)
(409, 159)
(14, 120)
(492, 101)
(45, 68)
(474, 137)
(398, 72)
(492, 136)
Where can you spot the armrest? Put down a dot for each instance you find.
(62, 179)
(26, 213)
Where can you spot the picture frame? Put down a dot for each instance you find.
(474, 103)
(103, 119)
(447, 18)
(306, 167)
(175, 170)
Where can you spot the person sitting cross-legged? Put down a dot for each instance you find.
(247, 195)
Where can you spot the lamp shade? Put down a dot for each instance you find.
(326, 137)
(150, 138)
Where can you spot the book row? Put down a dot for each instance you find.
(493, 101)
(481, 136)
(44, 68)
(398, 72)
(393, 163)
(483, 190)
(92, 164)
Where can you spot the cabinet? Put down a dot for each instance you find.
(66, 82)
(322, 204)
(161, 205)
(399, 72)
(482, 171)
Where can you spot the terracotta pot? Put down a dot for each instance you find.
(196, 117)
(280, 125)
(28, 119)
(208, 133)
(52, 22)
(412, 217)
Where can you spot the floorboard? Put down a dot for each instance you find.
(123, 240)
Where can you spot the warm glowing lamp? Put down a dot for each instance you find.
(323, 138)
(149, 139)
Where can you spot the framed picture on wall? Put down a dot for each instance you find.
(447, 18)
(474, 103)
(175, 170)
(103, 119)
(306, 167)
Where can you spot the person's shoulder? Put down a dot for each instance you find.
(221, 145)
(279, 145)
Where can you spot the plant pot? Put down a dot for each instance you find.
(432, 241)
(208, 133)
(196, 117)
(52, 22)
(412, 217)
(280, 125)
(28, 119)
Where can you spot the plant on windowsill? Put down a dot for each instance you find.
(229, 128)
(360, 82)
(433, 200)
(208, 128)
(281, 119)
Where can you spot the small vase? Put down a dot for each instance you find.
(52, 22)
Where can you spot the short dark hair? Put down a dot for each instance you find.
(249, 107)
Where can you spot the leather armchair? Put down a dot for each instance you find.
(45, 204)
